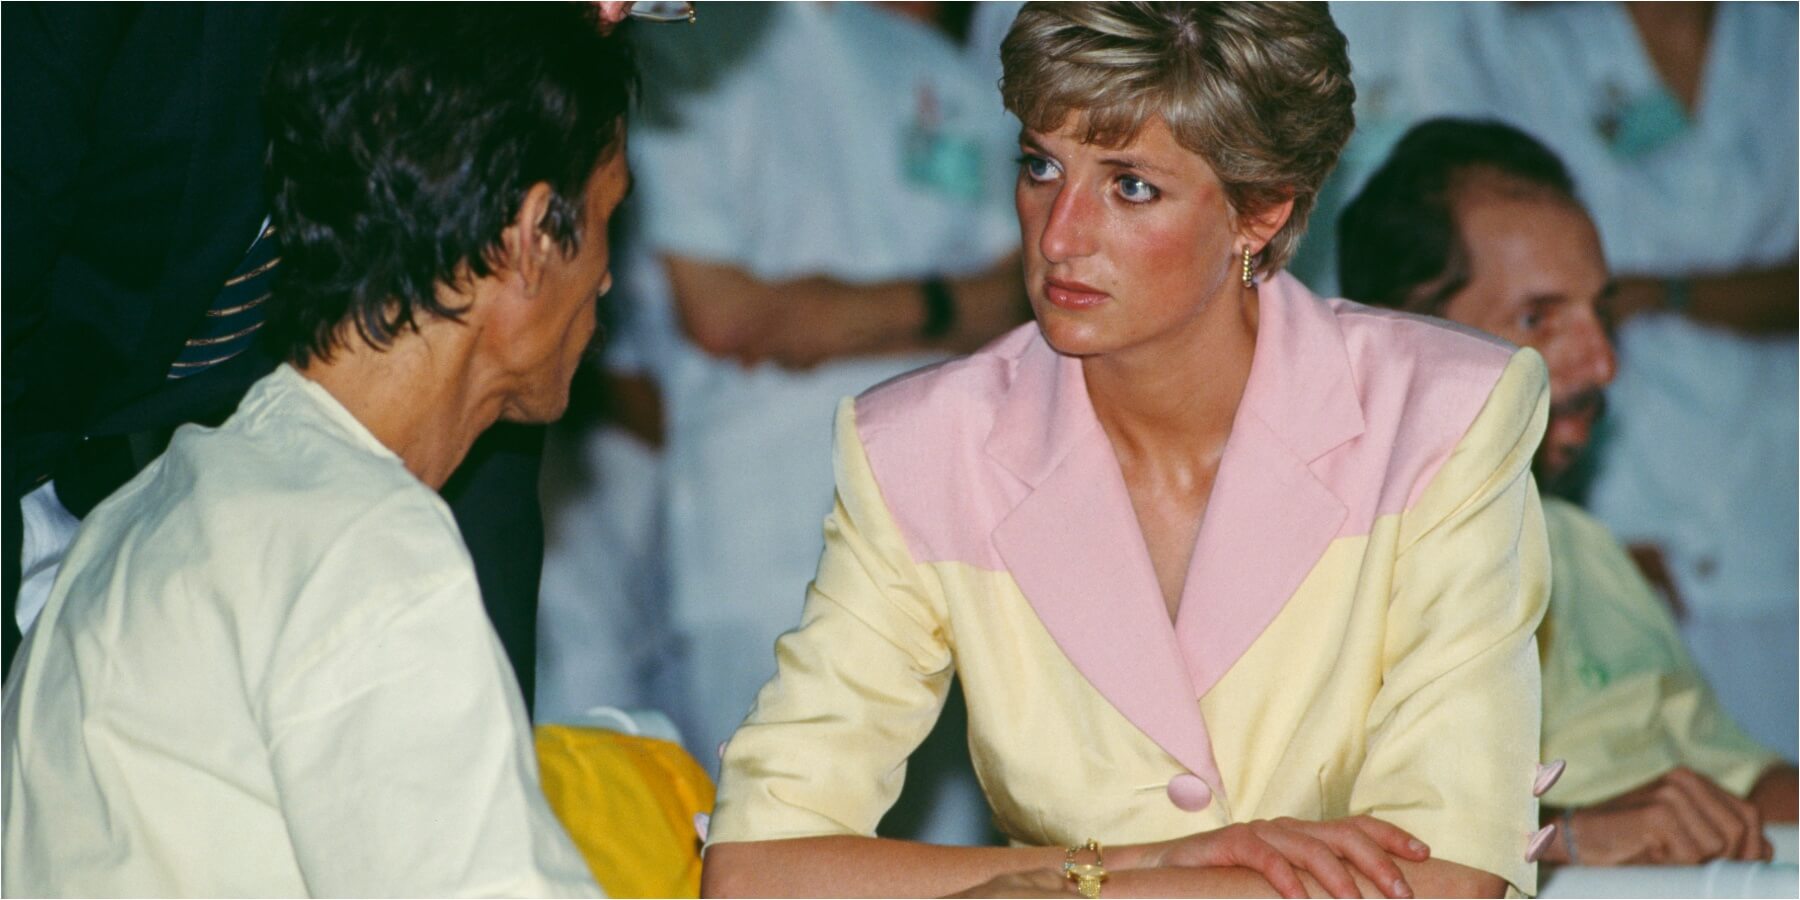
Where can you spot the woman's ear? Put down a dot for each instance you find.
(1259, 229)
(528, 244)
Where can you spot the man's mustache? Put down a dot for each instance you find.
(1590, 402)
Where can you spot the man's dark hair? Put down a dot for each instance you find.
(404, 138)
(1398, 242)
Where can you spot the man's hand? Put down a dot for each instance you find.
(1681, 818)
(1777, 793)
(1280, 849)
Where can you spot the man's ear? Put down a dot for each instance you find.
(1258, 229)
(528, 244)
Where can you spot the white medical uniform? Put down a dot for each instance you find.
(778, 139)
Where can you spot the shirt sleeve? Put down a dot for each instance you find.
(857, 687)
(400, 752)
(1453, 730)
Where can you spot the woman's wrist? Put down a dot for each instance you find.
(1135, 856)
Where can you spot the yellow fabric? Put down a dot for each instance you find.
(629, 803)
(1400, 680)
(1623, 702)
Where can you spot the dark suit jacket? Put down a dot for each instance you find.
(133, 168)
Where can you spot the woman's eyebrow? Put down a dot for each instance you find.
(1127, 162)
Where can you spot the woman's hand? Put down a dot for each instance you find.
(1279, 849)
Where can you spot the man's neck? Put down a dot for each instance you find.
(420, 397)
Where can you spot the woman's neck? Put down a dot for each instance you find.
(1176, 398)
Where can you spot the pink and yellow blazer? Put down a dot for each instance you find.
(1355, 635)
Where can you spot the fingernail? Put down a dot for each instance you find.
(1418, 846)
(1540, 841)
(1399, 888)
(1547, 775)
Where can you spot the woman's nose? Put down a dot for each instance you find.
(1069, 231)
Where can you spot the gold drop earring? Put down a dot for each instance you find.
(1249, 276)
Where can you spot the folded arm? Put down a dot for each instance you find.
(1248, 860)
(1760, 301)
(802, 322)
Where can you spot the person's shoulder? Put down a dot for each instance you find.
(294, 473)
(1379, 337)
(1564, 517)
(1426, 388)
(950, 402)
(1585, 553)
(1429, 377)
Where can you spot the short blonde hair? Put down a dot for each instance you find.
(1261, 91)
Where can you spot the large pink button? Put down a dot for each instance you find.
(1188, 792)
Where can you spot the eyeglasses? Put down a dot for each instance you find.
(663, 11)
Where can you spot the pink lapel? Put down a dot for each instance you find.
(1074, 548)
(1270, 518)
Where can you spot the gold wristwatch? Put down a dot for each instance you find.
(1086, 876)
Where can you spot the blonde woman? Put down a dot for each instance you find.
(1240, 583)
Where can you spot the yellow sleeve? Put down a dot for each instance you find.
(1623, 701)
(857, 686)
(1453, 729)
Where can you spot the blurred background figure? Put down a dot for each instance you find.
(1678, 121)
(1476, 222)
(825, 202)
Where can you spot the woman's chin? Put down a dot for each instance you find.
(1073, 338)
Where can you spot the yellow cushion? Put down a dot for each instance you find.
(629, 803)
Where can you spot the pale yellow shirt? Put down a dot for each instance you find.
(265, 670)
(1623, 702)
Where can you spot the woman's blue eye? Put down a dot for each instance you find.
(1037, 168)
(1136, 190)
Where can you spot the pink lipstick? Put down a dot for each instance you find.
(1073, 295)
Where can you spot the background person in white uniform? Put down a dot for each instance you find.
(833, 207)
